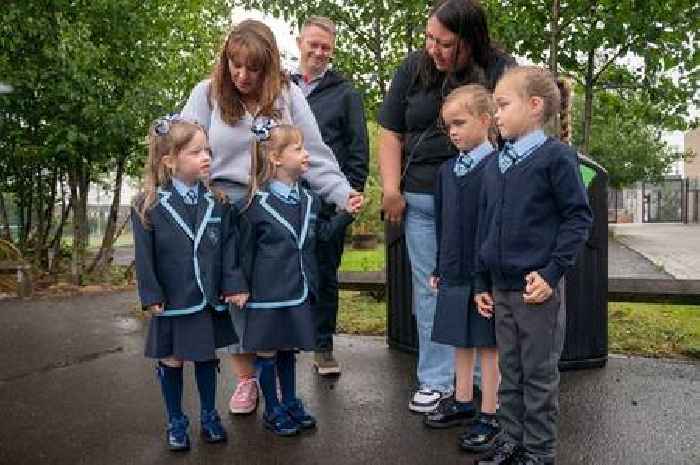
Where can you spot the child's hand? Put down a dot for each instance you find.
(484, 304)
(237, 299)
(354, 203)
(537, 290)
(155, 309)
(434, 282)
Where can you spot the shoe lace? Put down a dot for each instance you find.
(244, 390)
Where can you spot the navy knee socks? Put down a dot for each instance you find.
(205, 374)
(268, 382)
(171, 386)
(286, 370)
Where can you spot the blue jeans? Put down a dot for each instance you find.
(435, 361)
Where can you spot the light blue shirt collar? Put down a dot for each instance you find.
(183, 188)
(283, 191)
(479, 152)
(529, 142)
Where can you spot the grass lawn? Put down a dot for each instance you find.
(650, 330)
(361, 314)
(363, 260)
(654, 330)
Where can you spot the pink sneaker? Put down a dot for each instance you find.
(245, 398)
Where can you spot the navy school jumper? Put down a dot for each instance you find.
(187, 263)
(456, 217)
(533, 217)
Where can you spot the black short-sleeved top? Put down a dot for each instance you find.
(411, 110)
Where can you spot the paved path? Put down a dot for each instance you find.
(75, 389)
(624, 262)
(673, 247)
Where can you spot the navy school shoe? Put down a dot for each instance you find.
(450, 413)
(481, 435)
(505, 453)
(279, 422)
(527, 459)
(296, 411)
(178, 440)
(211, 429)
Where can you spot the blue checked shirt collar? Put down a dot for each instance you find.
(188, 193)
(466, 161)
(529, 143)
(286, 193)
(515, 152)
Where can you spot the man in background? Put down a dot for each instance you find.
(340, 115)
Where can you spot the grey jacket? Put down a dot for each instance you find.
(231, 145)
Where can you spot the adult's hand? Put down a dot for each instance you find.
(393, 205)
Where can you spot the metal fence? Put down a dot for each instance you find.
(672, 200)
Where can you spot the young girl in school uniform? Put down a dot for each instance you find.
(186, 260)
(279, 230)
(534, 221)
(467, 113)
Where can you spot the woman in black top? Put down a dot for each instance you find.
(458, 50)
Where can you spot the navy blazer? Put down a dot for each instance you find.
(280, 264)
(183, 268)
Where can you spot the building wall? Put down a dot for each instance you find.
(692, 142)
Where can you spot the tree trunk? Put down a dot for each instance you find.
(378, 48)
(5, 233)
(55, 244)
(79, 183)
(555, 124)
(588, 103)
(104, 255)
(554, 39)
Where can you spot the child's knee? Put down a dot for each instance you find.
(171, 362)
(265, 358)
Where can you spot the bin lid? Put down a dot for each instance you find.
(589, 169)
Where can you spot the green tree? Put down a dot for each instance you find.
(641, 47)
(88, 77)
(624, 142)
(373, 37)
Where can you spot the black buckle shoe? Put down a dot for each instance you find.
(480, 436)
(449, 414)
(505, 453)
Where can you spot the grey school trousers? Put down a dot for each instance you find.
(530, 339)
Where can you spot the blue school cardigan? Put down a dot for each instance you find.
(533, 217)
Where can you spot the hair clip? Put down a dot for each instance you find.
(262, 127)
(162, 124)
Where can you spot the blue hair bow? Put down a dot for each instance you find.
(262, 127)
(162, 124)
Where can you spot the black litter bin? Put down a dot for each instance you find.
(586, 286)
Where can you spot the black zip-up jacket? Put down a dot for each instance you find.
(340, 115)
